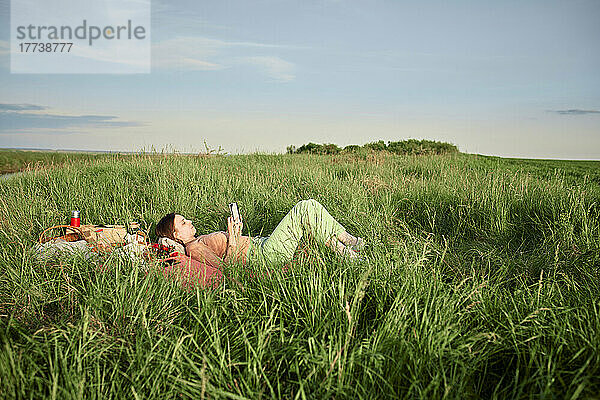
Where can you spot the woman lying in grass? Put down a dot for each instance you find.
(307, 217)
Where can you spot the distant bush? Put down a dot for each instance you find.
(377, 146)
(315, 148)
(291, 149)
(351, 148)
(413, 146)
(410, 147)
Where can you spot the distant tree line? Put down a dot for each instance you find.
(410, 146)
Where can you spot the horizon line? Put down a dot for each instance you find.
(257, 152)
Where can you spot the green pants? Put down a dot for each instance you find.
(306, 218)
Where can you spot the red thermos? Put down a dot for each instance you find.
(75, 221)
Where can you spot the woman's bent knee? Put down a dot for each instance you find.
(307, 207)
(309, 203)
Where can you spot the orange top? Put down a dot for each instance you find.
(213, 249)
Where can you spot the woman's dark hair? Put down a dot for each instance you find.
(166, 227)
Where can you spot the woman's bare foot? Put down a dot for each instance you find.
(355, 243)
(341, 249)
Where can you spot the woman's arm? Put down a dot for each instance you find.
(201, 252)
(234, 230)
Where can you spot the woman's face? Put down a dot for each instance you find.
(183, 229)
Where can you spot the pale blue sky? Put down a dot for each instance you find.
(492, 77)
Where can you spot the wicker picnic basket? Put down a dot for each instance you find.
(102, 237)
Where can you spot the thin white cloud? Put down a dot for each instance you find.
(195, 53)
(186, 53)
(263, 45)
(275, 67)
(198, 64)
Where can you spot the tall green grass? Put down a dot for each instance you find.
(481, 280)
(17, 160)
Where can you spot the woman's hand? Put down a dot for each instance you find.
(234, 229)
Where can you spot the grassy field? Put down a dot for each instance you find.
(481, 280)
(19, 160)
(12, 160)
